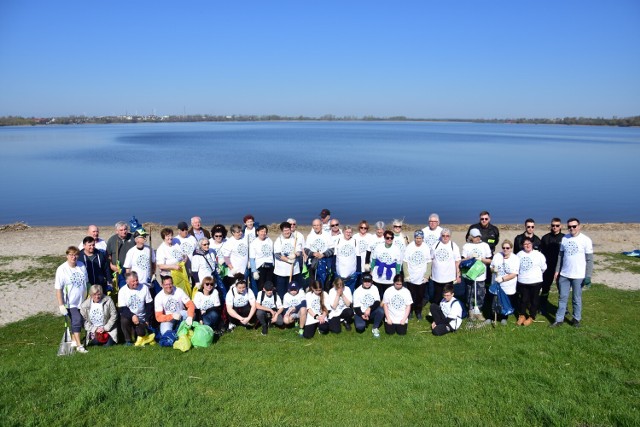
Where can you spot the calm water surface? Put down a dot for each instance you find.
(73, 175)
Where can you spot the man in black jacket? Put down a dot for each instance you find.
(489, 232)
(96, 263)
(529, 228)
(550, 248)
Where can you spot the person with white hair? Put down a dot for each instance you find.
(117, 247)
(100, 316)
(445, 268)
(399, 238)
(432, 231)
(196, 229)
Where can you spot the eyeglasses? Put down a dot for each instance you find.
(506, 247)
(432, 220)
(204, 244)
(335, 225)
(397, 226)
(556, 225)
(362, 227)
(573, 226)
(388, 238)
(531, 226)
(217, 235)
(293, 223)
(484, 219)
(446, 235)
(207, 284)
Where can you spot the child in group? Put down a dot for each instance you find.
(241, 304)
(317, 312)
(340, 306)
(366, 305)
(295, 307)
(447, 316)
(268, 307)
(397, 306)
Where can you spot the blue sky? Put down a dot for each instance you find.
(429, 59)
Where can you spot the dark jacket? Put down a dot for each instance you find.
(97, 268)
(517, 242)
(207, 234)
(550, 248)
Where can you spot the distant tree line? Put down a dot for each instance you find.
(68, 120)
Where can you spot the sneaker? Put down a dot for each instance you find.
(139, 342)
(231, 327)
(375, 332)
(555, 324)
(503, 322)
(81, 349)
(575, 323)
(300, 332)
(263, 334)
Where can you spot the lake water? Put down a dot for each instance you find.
(76, 175)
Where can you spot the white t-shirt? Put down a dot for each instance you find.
(452, 310)
(431, 237)
(101, 245)
(73, 281)
(400, 240)
(390, 255)
(290, 300)
(168, 255)
(134, 299)
(363, 245)
(532, 265)
(397, 302)
(318, 242)
(336, 312)
(284, 247)
(575, 249)
(375, 241)
(273, 302)
(444, 257)
(313, 303)
(237, 299)
(346, 261)
(205, 302)
(475, 250)
(365, 298)
(139, 260)
(172, 303)
(262, 251)
(506, 266)
(187, 244)
(217, 247)
(237, 251)
(417, 259)
(204, 264)
(96, 314)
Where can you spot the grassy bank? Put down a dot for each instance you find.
(503, 376)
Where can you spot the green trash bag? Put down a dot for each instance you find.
(183, 329)
(183, 343)
(202, 335)
(475, 271)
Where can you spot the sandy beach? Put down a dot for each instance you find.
(27, 299)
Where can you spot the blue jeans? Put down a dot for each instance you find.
(564, 286)
(172, 324)
(375, 317)
(211, 319)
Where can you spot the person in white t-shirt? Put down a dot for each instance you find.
(317, 310)
(269, 307)
(346, 258)
(397, 306)
(340, 311)
(399, 239)
(417, 257)
(378, 238)
(478, 250)
(366, 306)
(532, 265)
(319, 249)
(386, 260)
(241, 304)
(287, 254)
(261, 252)
(204, 262)
(208, 303)
(432, 231)
(445, 267)
(100, 243)
(135, 305)
(187, 242)
(169, 254)
(573, 271)
(295, 307)
(100, 317)
(505, 266)
(364, 241)
(71, 288)
(141, 259)
(447, 316)
(172, 305)
(236, 255)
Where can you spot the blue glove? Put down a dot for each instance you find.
(587, 282)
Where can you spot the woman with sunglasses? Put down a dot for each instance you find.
(207, 302)
(364, 241)
(386, 261)
(505, 267)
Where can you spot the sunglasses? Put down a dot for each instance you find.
(364, 228)
(335, 225)
(484, 219)
(207, 284)
(388, 238)
(506, 247)
(217, 235)
(556, 225)
(531, 226)
(573, 226)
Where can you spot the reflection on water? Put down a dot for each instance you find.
(221, 171)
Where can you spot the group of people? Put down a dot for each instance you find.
(332, 278)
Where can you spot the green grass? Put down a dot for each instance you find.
(618, 262)
(35, 268)
(504, 376)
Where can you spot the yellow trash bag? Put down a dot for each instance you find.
(181, 280)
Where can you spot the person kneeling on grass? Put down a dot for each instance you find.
(447, 316)
(207, 302)
(295, 307)
(100, 316)
(366, 304)
(317, 312)
(268, 307)
(241, 304)
(136, 310)
(172, 305)
(340, 306)
(397, 306)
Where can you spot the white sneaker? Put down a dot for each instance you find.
(375, 332)
(81, 349)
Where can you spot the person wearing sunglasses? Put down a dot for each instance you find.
(573, 271)
(505, 267)
(386, 261)
(489, 232)
(550, 248)
(529, 228)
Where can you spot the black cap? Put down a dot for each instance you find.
(366, 277)
(182, 226)
(324, 213)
